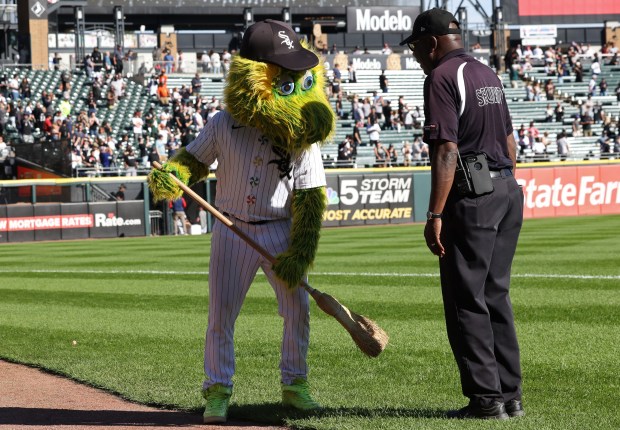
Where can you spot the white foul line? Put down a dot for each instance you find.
(364, 274)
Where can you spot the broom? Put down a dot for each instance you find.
(368, 336)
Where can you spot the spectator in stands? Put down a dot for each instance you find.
(352, 72)
(13, 85)
(537, 53)
(409, 120)
(357, 136)
(97, 59)
(616, 148)
(386, 50)
(357, 50)
(563, 145)
(373, 116)
(549, 111)
(180, 222)
(47, 124)
(537, 91)
(407, 154)
(417, 149)
(549, 90)
(336, 79)
(559, 112)
(117, 59)
(387, 115)
(381, 155)
(130, 161)
(522, 139)
(339, 107)
(215, 62)
(603, 87)
(373, 130)
(366, 108)
(56, 61)
(118, 86)
(383, 82)
(529, 92)
(65, 106)
(392, 155)
(168, 61)
(592, 85)
(595, 67)
(604, 146)
(163, 94)
(107, 62)
(111, 98)
(532, 131)
(137, 123)
(160, 147)
(345, 151)
(196, 84)
(89, 68)
(586, 123)
(24, 88)
(106, 159)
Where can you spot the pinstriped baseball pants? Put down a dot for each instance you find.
(232, 268)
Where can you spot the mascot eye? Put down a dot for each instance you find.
(285, 85)
(286, 88)
(308, 80)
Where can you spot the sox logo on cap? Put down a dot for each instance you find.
(287, 40)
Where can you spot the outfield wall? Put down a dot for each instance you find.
(355, 197)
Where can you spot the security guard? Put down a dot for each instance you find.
(474, 233)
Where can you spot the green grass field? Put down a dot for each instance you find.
(137, 309)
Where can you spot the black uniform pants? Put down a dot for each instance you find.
(480, 237)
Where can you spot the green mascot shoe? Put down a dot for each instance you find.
(217, 397)
(297, 395)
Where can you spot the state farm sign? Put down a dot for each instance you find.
(381, 19)
(570, 190)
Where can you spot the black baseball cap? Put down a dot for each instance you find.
(276, 42)
(433, 22)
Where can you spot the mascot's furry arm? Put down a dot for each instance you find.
(308, 207)
(185, 167)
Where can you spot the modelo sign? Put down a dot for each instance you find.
(381, 19)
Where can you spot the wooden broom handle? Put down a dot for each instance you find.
(202, 202)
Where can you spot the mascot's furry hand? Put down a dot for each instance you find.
(163, 186)
(308, 207)
(184, 166)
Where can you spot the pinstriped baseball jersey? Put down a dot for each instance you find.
(255, 180)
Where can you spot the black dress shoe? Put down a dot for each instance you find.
(495, 410)
(514, 408)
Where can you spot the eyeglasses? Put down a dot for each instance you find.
(413, 45)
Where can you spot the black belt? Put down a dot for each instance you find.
(502, 173)
(265, 221)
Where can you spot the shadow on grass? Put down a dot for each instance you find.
(48, 417)
(275, 413)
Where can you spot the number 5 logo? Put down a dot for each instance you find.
(348, 191)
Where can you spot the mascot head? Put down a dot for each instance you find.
(276, 84)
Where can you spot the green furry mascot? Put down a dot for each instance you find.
(271, 184)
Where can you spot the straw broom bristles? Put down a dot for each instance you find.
(369, 337)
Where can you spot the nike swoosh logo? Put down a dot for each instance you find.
(234, 127)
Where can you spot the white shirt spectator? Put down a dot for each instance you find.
(216, 62)
(538, 52)
(137, 122)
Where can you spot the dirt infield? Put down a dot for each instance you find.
(34, 400)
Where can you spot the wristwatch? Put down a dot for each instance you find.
(432, 215)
